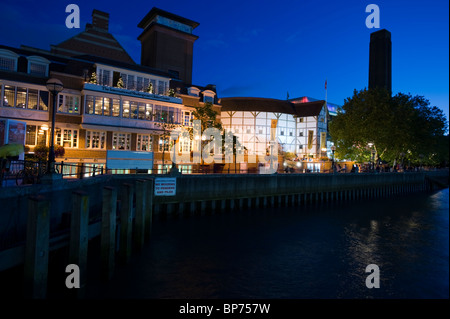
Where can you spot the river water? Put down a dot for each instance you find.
(296, 252)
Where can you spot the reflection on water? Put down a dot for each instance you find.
(296, 252)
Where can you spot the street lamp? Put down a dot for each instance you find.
(333, 149)
(54, 86)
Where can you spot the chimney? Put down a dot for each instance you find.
(100, 20)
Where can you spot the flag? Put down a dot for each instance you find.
(287, 96)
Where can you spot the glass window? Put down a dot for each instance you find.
(208, 98)
(126, 109)
(89, 107)
(139, 83)
(43, 100)
(165, 142)
(116, 107)
(153, 82)
(133, 109)
(95, 139)
(106, 106)
(149, 112)
(146, 83)
(171, 115)
(121, 141)
(21, 97)
(144, 142)
(104, 77)
(30, 137)
(124, 79)
(130, 82)
(7, 64)
(9, 94)
(69, 104)
(161, 87)
(157, 111)
(38, 69)
(141, 112)
(32, 99)
(67, 137)
(187, 118)
(98, 109)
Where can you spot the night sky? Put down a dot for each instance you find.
(269, 48)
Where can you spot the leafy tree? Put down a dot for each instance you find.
(400, 127)
(120, 82)
(93, 78)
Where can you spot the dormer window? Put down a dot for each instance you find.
(193, 91)
(38, 66)
(208, 96)
(8, 60)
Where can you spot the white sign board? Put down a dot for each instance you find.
(166, 186)
(116, 159)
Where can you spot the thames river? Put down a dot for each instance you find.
(296, 252)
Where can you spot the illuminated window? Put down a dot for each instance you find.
(144, 142)
(67, 137)
(121, 141)
(96, 140)
(69, 104)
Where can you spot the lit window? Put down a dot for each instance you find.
(121, 141)
(67, 137)
(95, 139)
(69, 104)
(144, 142)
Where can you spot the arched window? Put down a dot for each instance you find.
(38, 66)
(8, 60)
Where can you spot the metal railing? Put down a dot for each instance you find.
(27, 172)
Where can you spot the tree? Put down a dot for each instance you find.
(93, 78)
(149, 88)
(395, 128)
(120, 82)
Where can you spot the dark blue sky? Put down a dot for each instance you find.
(268, 48)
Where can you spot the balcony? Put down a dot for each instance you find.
(131, 93)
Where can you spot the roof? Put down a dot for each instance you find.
(271, 105)
(156, 11)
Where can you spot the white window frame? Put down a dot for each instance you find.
(140, 142)
(90, 138)
(34, 59)
(115, 141)
(72, 142)
(63, 106)
(9, 55)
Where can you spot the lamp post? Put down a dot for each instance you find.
(333, 149)
(54, 86)
(370, 144)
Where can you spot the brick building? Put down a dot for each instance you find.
(108, 102)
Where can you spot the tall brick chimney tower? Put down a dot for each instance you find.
(380, 60)
(167, 43)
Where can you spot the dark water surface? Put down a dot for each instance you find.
(296, 252)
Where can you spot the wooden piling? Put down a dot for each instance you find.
(37, 248)
(126, 222)
(108, 234)
(79, 236)
(141, 210)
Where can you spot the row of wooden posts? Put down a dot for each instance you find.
(135, 229)
(131, 234)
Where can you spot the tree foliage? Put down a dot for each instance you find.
(400, 127)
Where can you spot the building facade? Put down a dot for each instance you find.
(108, 102)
